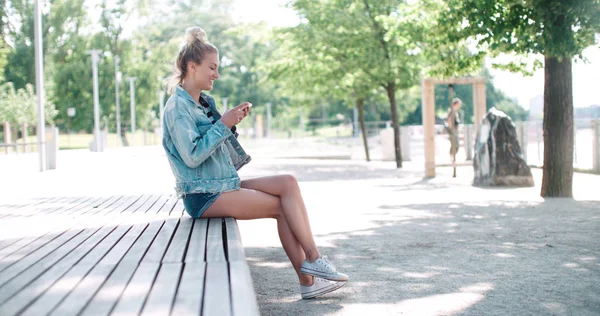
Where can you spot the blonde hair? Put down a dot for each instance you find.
(194, 50)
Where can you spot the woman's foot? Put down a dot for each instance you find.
(322, 268)
(319, 287)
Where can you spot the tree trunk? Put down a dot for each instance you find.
(361, 118)
(558, 128)
(391, 92)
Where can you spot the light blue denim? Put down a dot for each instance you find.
(204, 157)
(197, 203)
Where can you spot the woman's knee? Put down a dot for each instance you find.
(288, 182)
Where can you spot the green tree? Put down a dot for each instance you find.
(559, 30)
(304, 63)
(19, 106)
(381, 39)
(59, 25)
(62, 20)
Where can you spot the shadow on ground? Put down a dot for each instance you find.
(496, 258)
(309, 170)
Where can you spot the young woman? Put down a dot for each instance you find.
(204, 155)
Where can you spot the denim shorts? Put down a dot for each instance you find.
(197, 203)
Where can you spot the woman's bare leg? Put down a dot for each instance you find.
(273, 197)
(286, 188)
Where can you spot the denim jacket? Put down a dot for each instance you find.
(204, 157)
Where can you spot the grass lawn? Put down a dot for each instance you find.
(82, 141)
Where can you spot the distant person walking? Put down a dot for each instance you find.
(205, 155)
(452, 122)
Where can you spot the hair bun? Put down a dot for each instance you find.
(195, 33)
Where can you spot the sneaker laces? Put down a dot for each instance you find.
(326, 260)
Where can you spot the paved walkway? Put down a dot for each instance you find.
(411, 246)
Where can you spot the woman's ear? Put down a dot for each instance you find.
(191, 66)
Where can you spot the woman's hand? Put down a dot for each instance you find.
(236, 115)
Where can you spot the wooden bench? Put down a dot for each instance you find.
(120, 255)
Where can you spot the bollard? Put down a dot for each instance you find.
(387, 144)
(596, 146)
(522, 134)
(469, 141)
(51, 147)
(105, 138)
(405, 136)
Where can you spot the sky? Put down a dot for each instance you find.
(586, 77)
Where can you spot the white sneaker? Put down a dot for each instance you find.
(319, 287)
(322, 268)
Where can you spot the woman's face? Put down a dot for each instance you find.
(457, 105)
(207, 72)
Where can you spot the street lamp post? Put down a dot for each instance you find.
(97, 141)
(132, 105)
(39, 86)
(118, 109)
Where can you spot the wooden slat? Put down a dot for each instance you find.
(8, 224)
(67, 258)
(178, 209)
(16, 209)
(191, 289)
(215, 250)
(83, 291)
(197, 245)
(108, 295)
(132, 299)
(40, 203)
(76, 210)
(63, 206)
(46, 244)
(48, 207)
(163, 290)
(31, 253)
(143, 258)
(6, 239)
(14, 267)
(38, 238)
(9, 207)
(160, 244)
(235, 249)
(243, 297)
(217, 299)
(54, 270)
(111, 233)
(125, 245)
(179, 244)
(110, 292)
(79, 297)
